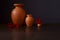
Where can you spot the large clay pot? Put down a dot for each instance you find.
(18, 14)
(29, 20)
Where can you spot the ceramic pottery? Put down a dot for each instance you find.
(29, 20)
(18, 14)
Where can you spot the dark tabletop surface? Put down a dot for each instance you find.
(46, 32)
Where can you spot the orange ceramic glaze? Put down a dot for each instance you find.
(29, 20)
(18, 14)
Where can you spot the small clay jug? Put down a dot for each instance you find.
(29, 20)
(18, 14)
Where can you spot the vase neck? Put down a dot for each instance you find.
(18, 5)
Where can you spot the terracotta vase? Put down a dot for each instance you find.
(29, 20)
(18, 14)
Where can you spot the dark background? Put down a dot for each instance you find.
(47, 10)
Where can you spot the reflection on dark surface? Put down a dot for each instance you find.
(47, 32)
(28, 33)
(15, 34)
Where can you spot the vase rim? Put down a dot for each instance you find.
(18, 5)
(29, 14)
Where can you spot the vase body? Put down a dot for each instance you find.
(29, 20)
(18, 14)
